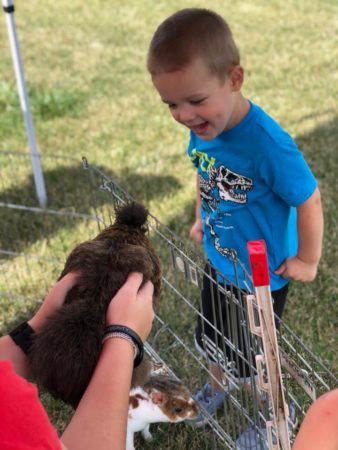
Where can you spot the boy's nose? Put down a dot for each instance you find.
(185, 114)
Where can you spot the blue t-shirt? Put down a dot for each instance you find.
(252, 178)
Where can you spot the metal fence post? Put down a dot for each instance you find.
(8, 7)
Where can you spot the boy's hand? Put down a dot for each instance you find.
(196, 232)
(296, 269)
(53, 300)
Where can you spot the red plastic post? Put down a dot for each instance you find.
(259, 263)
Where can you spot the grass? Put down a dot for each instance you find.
(90, 94)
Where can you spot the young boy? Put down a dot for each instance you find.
(252, 181)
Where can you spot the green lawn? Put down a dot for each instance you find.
(91, 95)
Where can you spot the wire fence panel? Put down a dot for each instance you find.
(247, 409)
(32, 253)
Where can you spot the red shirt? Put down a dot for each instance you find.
(24, 424)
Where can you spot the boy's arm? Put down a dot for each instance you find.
(196, 231)
(310, 224)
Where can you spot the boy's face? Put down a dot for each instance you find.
(198, 99)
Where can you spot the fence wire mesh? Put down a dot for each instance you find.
(35, 242)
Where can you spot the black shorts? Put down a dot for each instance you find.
(224, 322)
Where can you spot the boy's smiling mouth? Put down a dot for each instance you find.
(200, 129)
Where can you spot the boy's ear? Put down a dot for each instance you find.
(236, 77)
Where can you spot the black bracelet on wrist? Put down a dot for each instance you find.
(22, 336)
(131, 333)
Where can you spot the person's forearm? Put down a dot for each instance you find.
(319, 428)
(54, 299)
(11, 352)
(100, 421)
(310, 229)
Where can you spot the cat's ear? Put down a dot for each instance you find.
(158, 397)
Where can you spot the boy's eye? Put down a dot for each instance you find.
(171, 105)
(197, 102)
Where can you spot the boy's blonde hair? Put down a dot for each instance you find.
(189, 34)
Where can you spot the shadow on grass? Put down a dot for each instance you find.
(69, 189)
(320, 150)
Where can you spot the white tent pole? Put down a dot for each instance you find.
(8, 7)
